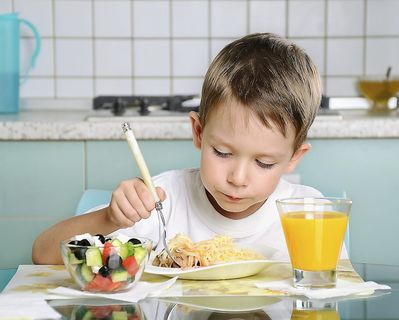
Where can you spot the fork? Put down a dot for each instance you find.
(148, 181)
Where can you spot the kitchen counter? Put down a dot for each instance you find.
(50, 125)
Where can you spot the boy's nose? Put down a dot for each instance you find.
(238, 175)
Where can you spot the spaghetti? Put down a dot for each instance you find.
(189, 254)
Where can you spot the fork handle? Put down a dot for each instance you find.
(145, 173)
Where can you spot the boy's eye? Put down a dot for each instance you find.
(221, 154)
(265, 165)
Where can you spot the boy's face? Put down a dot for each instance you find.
(241, 159)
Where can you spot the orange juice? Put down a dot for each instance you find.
(314, 239)
(315, 315)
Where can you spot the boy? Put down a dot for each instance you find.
(259, 98)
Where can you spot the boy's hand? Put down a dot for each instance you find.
(132, 201)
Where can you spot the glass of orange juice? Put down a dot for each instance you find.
(314, 230)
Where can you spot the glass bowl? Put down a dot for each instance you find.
(99, 264)
(378, 91)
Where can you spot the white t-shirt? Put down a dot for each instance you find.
(187, 210)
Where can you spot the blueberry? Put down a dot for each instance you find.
(134, 241)
(85, 242)
(104, 271)
(114, 261)
(101, 238)
(80, 253)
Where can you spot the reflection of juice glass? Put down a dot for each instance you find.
(314, 230)
(315, 312)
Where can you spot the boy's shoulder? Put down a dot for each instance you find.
(287, 189)
(178, 175)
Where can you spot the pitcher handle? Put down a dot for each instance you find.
(35, 52)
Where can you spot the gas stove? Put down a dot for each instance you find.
(146, 105)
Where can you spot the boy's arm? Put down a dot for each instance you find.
(46, 248)
(130, 202)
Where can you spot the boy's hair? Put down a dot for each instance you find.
(268, 75)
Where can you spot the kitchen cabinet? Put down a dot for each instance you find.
(40, 183)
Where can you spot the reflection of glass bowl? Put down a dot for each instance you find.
(94, 312)
(109, 267)
(378, 91)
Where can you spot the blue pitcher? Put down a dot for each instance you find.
(9, 60)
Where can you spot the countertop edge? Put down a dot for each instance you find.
(178, 128)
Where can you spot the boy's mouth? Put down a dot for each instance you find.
(233, 198)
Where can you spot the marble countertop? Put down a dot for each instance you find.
(99, 125)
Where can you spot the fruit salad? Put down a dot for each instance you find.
(105, 264)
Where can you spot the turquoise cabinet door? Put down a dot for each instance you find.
(110, 162)
(366, 170)
(40, 184)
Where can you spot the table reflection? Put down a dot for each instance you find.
(315, 310)
(284, 309)
(98, 309)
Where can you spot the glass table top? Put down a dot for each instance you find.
(381, 305)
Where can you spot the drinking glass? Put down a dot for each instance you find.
(314, 230)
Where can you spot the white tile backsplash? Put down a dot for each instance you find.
(345, 18)
(93, 47)
(345, 57)
(73, 18)
(382, 17)
(382, 53)
(151, 58)
(228, 18)
(45, 61)
(152, 86)
(187, 85)
(337, 86)
(306, 18)
(113, 86)
(74, 57)
(267, 16)
(315, 49)
(38, 12)
(190, 18)
(151, 19)
(190, 57)
(38, 88)
(5, 6)
(112, 19)
(113, 57)
(74, 88)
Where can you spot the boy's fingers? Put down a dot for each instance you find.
(145, 198)
(118, 218)
(161, 193)
(127, 209)
(138, 205)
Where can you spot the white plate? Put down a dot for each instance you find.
(230, 270)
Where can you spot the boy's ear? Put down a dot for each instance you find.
(297, 156)
(196, 129)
